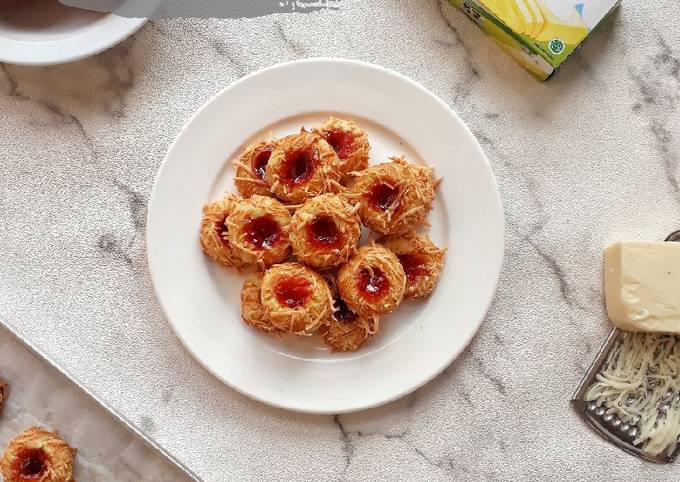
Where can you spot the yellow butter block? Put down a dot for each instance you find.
(525, 16)
(505, 12)
(565, 24)
(536, 15)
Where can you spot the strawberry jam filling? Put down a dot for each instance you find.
(260, 160)
(414, 265)
(31, 464)
(372, 284)
(381, 196)
(263, 232)
(343, 313)
(323, 233)
(298, 166)
(341, 141)
(293, 291)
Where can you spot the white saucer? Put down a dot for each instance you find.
(39, 32)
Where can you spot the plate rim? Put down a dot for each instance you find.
(44, 53)
(497, 202)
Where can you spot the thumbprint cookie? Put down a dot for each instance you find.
(349, 142)
(394, 196)
(302, 166)
(251, 304)
(214, 237)
(372, 282)
(325, 231)
(295, 298)
(37, 455)
(347, 331)
(251, 169)
(258, 230)
(421, 259)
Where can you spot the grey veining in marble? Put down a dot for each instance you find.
(587, 158)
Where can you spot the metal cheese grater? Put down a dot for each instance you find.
(606, 424)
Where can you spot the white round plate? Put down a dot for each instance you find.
(201, 299)
(38, 32)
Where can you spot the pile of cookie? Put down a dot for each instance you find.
(297, 221)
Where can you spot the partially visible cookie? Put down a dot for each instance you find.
(37, 455)
(422, 261)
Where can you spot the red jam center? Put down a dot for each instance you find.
(382, 195)
(323, 233)
(262, 232)
(373, 284)
(293, 291)
(260, 160)
(31, 464)
(298, 166)
(343, 313)
(414, 266)
(342, 142)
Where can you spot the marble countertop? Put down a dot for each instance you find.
(587, 158)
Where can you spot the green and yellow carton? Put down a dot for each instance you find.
(539, 34)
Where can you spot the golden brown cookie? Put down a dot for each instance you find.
(251, 168)
(301, 167)
(37, 455)
(325, 231)
(295, 298)
(347, 331)
(422, 261)
(258, 231)
(394, 196)
(349, 142)
(372, 282)
(251, 304)
(214, 237)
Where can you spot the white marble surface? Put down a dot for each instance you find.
(588, 158)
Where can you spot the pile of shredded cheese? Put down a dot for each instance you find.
(640, 384)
